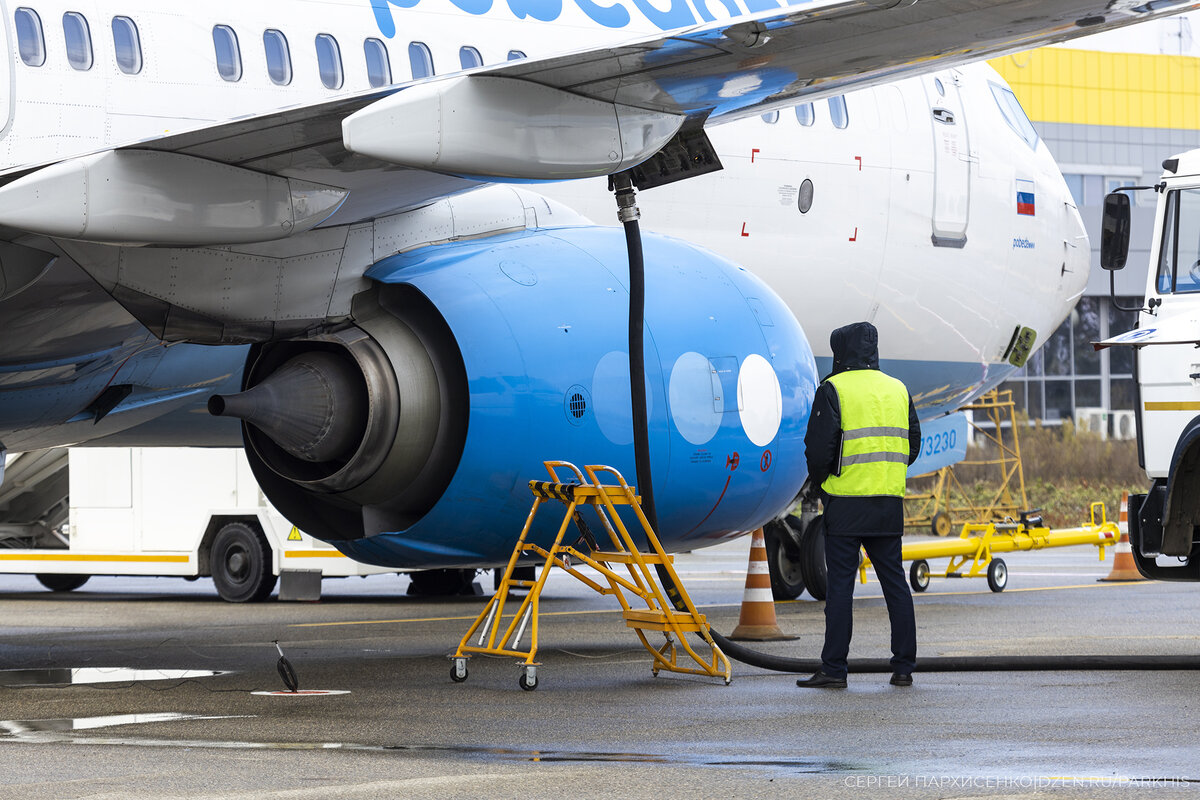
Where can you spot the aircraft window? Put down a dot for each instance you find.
(469, 57)
(79, 40)
(229, 55)
(379, 67)
(127, 45)
(279, 57)
(805, 114)
(30, 41)
(1014, 115)
(329, 61)
(837, 110)
(515, 55)
(771, 117)
(420, 59)
(1179, 257)
(937, 84)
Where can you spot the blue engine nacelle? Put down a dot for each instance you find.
(409, 439)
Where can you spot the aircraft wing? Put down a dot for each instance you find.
(1183, 329)
(575, 115)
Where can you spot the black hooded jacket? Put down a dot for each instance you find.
(854, 346)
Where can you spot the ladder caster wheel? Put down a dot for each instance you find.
(918, 575)
(997, 575)
(654, 672)
(728, 681)
(527, 682)
(458, 670)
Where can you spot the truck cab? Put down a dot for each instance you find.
(1164, 521)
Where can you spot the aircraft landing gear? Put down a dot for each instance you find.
(783, 557)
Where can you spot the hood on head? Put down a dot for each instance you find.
(855, 346)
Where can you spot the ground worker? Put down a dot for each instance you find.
(862, 435)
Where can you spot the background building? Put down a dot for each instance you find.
(1110, 108)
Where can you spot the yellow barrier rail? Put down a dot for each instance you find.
(977, 542)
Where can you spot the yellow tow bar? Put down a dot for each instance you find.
(976, 544)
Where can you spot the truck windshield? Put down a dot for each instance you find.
(1179, 257)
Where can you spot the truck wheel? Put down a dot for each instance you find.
(783, 559)
(240, 563)
(62, 583)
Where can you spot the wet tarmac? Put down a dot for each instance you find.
(155, 688)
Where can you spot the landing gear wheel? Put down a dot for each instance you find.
(997, 575)
(458, 670)
(240, 563)
(62, 583)
(528, 680)
(918, 575)
(783, 558)
(442, 583)
(812, 558)
(940, 525)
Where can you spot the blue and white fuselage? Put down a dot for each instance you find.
(428, 339)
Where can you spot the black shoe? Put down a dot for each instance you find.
(820, 680)
(901, 679)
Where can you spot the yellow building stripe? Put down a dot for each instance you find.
(106, 558)
(313, 554)
(1184, 405)
(1088, 87)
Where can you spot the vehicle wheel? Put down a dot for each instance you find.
(287, 673)
(918, 575)
(442, 582)
(240, 563)
(997, 575)
(62, 583)
(812, 558)
(783, 559)
(941, 524)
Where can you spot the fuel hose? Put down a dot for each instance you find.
(628, 214)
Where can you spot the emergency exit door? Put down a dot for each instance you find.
(951, 161)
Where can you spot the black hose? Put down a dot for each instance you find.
(641, 456)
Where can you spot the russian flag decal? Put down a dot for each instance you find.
(1025, 201)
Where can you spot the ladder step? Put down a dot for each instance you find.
(631, 558)
(652, 619)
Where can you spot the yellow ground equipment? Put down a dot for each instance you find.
(947, 503)
(976, 544)
(658, 615)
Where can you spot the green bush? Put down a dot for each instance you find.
(1065, 469)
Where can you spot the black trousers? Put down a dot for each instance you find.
(841, 562)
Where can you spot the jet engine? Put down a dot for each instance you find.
(408, 437)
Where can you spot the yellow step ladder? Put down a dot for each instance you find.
(660, 614)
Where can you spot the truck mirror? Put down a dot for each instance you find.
(1114, 231)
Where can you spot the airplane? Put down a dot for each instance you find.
(218, 227)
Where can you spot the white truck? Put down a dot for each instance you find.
(1164, 523)
(68, 514)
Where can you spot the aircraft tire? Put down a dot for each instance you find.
(812, 558)
(62, 583)
(442, 583)
(783, 559)
(240, 563)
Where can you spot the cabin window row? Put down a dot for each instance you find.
(127, 49)
(806, 115)
(31, 41)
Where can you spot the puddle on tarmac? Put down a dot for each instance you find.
(11, 678)
(24, 728)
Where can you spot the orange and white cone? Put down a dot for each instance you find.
(1123, 569)
(757, 621)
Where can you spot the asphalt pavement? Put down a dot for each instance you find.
(147, 688)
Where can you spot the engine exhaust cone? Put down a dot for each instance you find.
(314, 407)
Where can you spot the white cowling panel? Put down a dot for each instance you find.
(153, 197)
(481, 126)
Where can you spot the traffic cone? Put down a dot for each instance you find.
(757, 621)
(1123, 568)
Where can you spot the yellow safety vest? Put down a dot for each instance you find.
(874, 455)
